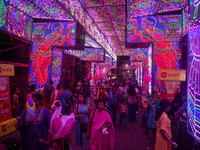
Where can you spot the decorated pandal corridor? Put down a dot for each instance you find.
(99, 74)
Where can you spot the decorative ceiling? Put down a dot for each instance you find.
(109, 16)
(104, 20)
(43, 9)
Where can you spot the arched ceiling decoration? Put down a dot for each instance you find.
(110, 16)
(104, 20)
(43, 9)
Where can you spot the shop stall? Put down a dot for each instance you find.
(7, 123)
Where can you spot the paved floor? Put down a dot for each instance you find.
(126, 139)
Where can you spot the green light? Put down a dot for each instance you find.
(195, 12)
(2, 10)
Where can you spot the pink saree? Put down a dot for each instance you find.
(99, 141)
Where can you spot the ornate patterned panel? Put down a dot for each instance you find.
(46, 9)
(172, 5)
(141, 7)
(89, 3)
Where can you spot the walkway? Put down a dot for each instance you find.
(131, 138)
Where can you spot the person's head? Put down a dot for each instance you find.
(16, 90)
(66, 84)
(114, 89)
(57, 144)
(123, 84)
(164, 106)
(58, 27)
(59, 86)
(177, 90)
(100, 104)
(154, 94)
(51, 83)
(123, 102)
(37, 98)
(81, 98)
(11, 144)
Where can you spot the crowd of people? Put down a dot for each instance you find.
(94, 128)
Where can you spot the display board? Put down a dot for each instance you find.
(5, 101)
(14, 21)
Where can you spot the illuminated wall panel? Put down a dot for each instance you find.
(137, 8)
(45, 9)
(85, 20)
(138, 66)
(194, 9)
(45, 35)
(89, 54)
(164, 32)
(56, 66)
(14, 21)
(142, 55)
(193, 117)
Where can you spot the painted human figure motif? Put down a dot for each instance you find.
(43, 55)
(137, 33)
(164, 54)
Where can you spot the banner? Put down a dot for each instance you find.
(167, 96)
(7, 126)
(5, 105)
(169, 87)
(172, 75)
(4, 83)
(7, 70)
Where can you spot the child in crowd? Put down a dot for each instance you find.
(123, 113)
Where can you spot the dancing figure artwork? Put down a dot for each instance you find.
(152, 29)
(163, 54)
(59, 34)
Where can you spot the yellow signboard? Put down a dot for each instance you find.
(172, 74)
(7, 126)
(7, 70)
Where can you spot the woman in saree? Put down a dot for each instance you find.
(100, 129)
